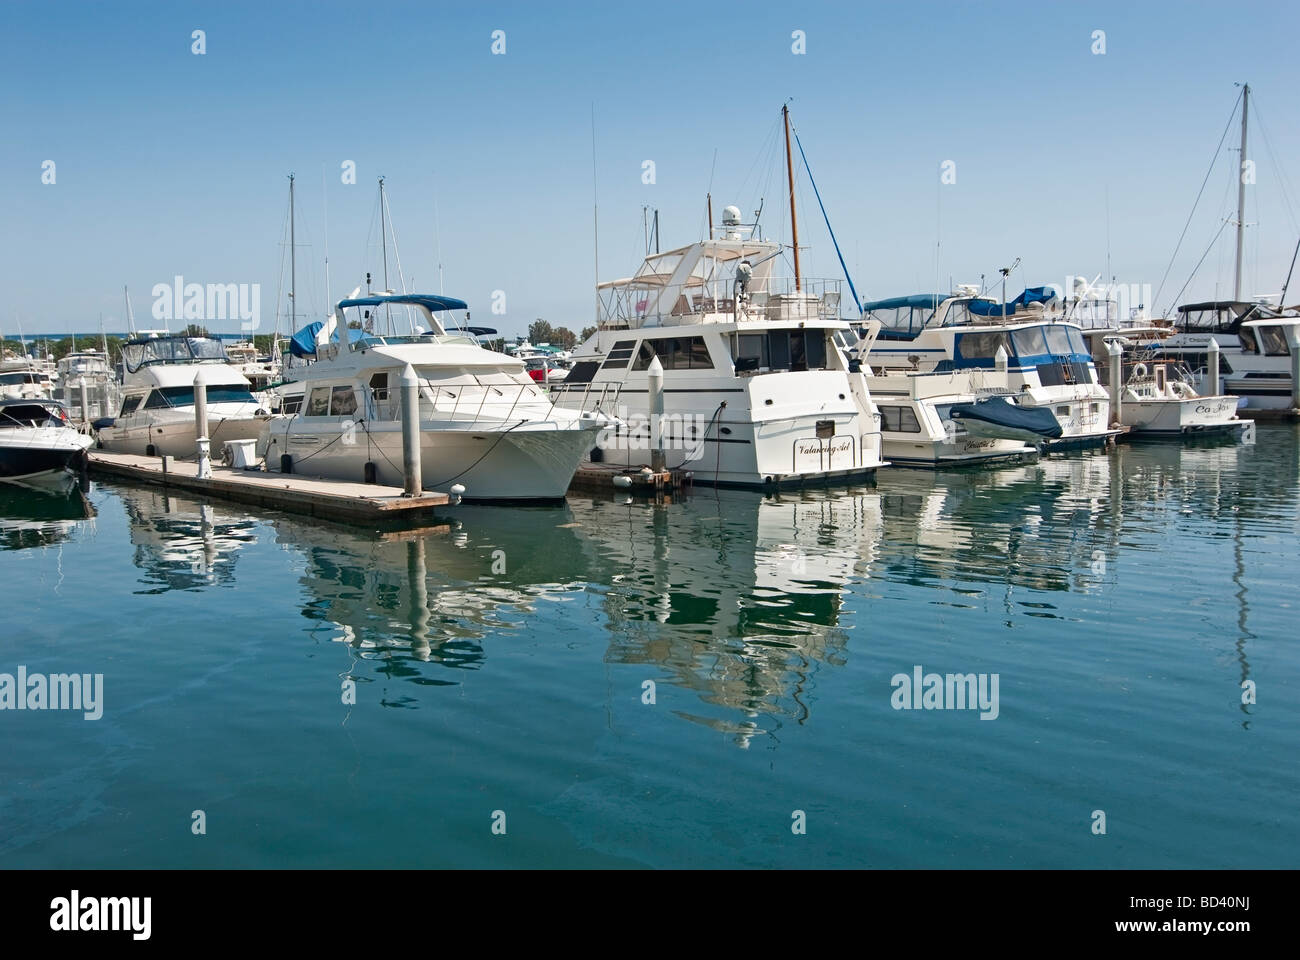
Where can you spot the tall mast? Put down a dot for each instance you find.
(130, 315)
(794, 222)
(293, 263)
(708, 202)
(383, 231)
(326, 201)
(1241, 190)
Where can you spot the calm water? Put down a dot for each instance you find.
(500, 665)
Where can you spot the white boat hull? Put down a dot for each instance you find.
(534, 461)
(170, 433)
(1182, 416)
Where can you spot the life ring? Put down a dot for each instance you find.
(1140, 371)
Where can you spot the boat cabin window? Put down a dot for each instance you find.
(904, 322)
(582, 372)
(1058, 340)
(184, 396)
(620, 355)
(674, 353)
(291, 404)
(899, 420)
(171, 350)
(1272, 340)
(319, 404)
(129, 404)
(343, 402)
(379, 385)
(1029, 342)
(8, 379)
(779, 350)
(982, 346)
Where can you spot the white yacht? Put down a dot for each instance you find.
(103, 392)
(39, 447)
(25, 379)
(260, 371)
(1028, 359)
(484, 423)
(157, 413)
(1158, 398)
(1268, 364)
(756, 391)
(942, 419)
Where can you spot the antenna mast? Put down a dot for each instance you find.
(794, 222)
(293, 263)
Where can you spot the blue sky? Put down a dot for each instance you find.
(171, 163)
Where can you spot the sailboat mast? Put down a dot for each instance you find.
(794, 221)
(130, 315)
(293, 262)
(383, 231)
(1241, 190)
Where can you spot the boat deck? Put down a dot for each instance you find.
(338, 500)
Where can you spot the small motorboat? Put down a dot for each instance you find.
(39, 446)
(1001, 418)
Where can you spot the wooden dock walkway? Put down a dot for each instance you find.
(336, 500)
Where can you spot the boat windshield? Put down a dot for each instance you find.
(184, 396)
(30, 415)
(8, 379)
(140, 353)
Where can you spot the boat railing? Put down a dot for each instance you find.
(720, 301)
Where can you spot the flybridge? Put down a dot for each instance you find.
(714, 281)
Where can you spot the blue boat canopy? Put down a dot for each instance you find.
(930, 300)
(303, 343)
(421, 299)
(993, 308)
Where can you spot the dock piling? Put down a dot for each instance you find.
(1116, 381)
(655, 378)
(1212, 360)
(201, 424)
(412, 481)
(1293, 344)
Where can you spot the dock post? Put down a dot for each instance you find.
(413, 483)
(85, 402)
(201, 424)
(1116, 382)
(1293, 344)
(655, 378)
(1000, 359)
(1212, 360)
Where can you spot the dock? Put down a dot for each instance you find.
(336, 500)
(607, 478)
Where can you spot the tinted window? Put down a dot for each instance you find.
(778, 348)
(342, 402)
(184, 396)
(129, 405)
(292, 404)
(899, 420)
(1274, 341)
(619, 356)
(319, 405)
(981, 346)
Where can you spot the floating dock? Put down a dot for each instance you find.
(607, 478)
(336, 500)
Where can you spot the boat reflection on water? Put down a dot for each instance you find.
(732, 595)
(434, 594)
(32, 518)
(182, 543)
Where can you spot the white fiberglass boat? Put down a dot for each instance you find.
(157, 415)
(484, 423)
(756, 391)
(39, 447)
(1027, 357)
(103, 393)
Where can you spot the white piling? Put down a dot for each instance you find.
(1212, 378)
(655, 379)
(1116, 382)
(1000, 359)
(85, 401)
(201, 424)
(413, 483)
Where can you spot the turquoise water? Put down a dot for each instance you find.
(500, 664)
